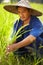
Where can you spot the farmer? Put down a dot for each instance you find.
(25, 44)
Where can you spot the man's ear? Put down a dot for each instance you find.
(30, 11)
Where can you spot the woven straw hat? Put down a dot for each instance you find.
(23, 3)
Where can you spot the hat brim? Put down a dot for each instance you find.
(13, 9)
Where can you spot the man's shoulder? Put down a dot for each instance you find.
(36, 20)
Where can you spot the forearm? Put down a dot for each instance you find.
(28, 40)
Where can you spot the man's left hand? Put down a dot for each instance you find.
(10, 48)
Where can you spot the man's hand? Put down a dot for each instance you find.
(10, 48)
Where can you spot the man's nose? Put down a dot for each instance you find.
(21, 14)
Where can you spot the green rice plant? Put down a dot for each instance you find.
(6, 24)
(8, 59)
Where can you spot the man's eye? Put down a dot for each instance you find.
(18, 12)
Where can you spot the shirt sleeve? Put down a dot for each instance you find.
(14, 29)
(36, 32)
(37, 29)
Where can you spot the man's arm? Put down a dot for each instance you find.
(28, 40)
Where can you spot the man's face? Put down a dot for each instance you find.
(24, 13)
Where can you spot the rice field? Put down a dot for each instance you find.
(6, 26)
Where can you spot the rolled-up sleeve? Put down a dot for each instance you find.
(36, 31)
(37, 28)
